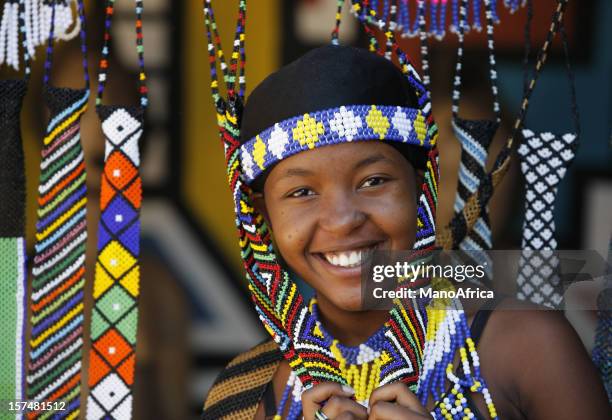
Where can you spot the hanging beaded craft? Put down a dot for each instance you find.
(544, 159)
(12, 231)
(117, 280)
(450, 236)
(475, 137)
(54, 370)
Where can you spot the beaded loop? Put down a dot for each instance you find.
(568, 68)
(80, 26)
(491, 51)
(104, 61)
(215, 51)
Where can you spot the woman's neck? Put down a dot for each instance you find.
(350, 328)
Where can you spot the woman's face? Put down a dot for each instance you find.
(329, 207)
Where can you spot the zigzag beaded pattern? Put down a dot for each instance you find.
(54, 371)
(333, 126)
(117, 280)
(12, 242)
(544, 160)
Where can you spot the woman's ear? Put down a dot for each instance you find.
(419, 177)
(257, 198)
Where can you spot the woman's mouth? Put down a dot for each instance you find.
(349, 258)
(348, 262)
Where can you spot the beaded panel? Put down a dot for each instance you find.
(117, 280)
(59, 262)
(12, 242)
(544, 162)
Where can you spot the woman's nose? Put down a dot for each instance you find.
(340, 213)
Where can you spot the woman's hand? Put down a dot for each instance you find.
(334, 401)
(394, 402)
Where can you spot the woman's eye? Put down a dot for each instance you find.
(373, 181)
(302, 192)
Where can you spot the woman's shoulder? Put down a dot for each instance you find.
(539, 362)
(239, 387)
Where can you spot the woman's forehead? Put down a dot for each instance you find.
(338, 158)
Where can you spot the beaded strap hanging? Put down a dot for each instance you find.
(117, 279)
(38, 17)
(54, 370)
(544, 159)
(12, 233)
(450, 236)
(475, 137)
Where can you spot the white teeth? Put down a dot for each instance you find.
(354, 257)
(346, 258)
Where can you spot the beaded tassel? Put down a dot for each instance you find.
(437, 15)
(54, 371)
(116, 288)
(38, 17)
(447, 334)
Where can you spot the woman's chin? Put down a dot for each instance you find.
(348, 303)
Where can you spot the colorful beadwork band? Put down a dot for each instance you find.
(333, 126)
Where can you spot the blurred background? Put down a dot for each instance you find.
(195, 311)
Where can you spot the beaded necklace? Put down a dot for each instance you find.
(13, 273)
(117, 281)
(54, 370)
(544, 159)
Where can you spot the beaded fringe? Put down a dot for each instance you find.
(38, 16)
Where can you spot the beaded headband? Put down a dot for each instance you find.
(333, 126)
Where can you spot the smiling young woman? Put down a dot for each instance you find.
(339, 148)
